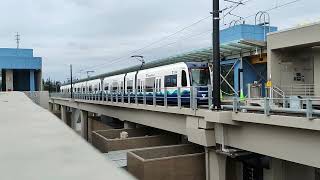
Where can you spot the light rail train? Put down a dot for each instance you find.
(168, 80)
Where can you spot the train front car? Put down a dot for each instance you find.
(200, 81)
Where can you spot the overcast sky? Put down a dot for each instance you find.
(93, 34)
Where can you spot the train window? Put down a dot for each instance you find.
(200, 77)
(95, 89)
(115, 86)
(79, 89)
(83, 89)
(90, 88)
(129, 85)
(170, 81)
(150, 84)
(99, 87)
(184, 81)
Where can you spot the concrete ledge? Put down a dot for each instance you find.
(109, 140)
(169, 162)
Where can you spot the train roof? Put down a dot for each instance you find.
(152, 64)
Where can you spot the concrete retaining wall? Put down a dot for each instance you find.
(94, 124)
(185, 162)
(109, 140)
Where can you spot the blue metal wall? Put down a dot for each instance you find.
(19, 59)
(24, 65)
(246, 32)
(251, 73)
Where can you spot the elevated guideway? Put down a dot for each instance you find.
(280, 136)
(35, 144)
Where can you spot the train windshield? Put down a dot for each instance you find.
(200, 77)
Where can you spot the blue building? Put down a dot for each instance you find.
(20, 70)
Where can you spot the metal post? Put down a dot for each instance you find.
(210, 97)
(191, 97)
(117, 100)
(122, 96)
(111, 96)
(179, 97)
(136, 96)
(165, 97)
(129, 98)
(216, 56)
(144, 97)
(266, 106)
(309, 108)
(235, 105)
(195, 98)
(154, 97)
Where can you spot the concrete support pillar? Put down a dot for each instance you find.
(32, 82)
(84, 124)
(75, 120)
(129, 125)
(215, 165)
(276, 171)
(64, 114)
(55, 107)
(9, 80)
(51, 107)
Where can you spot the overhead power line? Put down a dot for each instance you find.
(230, 8)
(153, 43)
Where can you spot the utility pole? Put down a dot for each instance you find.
(216, 56)
(71, 90)
(18, 40)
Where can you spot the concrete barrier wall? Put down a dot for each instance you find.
(185, 162)
(109, 140)
(39, 97)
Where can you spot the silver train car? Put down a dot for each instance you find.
(171, 80)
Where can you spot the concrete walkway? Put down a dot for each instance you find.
(36, 145)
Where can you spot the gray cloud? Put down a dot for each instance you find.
(86, 33)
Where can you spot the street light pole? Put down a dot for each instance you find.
(141, 59)
(71, 90)
(88, 72)
(216, 56)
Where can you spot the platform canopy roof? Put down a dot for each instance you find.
(202, 55)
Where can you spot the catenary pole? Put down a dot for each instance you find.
(216, 56)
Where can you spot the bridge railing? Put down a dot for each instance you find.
(199, 97)
(303, 107)
(191, 97)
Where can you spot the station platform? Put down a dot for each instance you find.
(35, 144)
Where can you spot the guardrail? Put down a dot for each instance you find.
(199, 97)
(181, 97)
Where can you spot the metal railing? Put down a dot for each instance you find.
(303, 107)
(199, 97)
(305, 90)
(190, 97)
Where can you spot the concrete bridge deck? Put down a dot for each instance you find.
(35, 144)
